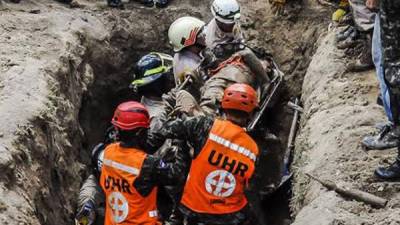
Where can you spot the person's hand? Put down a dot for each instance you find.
(372, 4)
(277, 6)
(87, 215)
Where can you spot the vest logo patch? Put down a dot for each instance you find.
(119, 206)
(220, 183)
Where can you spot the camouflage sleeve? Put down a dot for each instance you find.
(155, 171)
(90, 191)
(194, 130)
(169, 100)
(154, 140)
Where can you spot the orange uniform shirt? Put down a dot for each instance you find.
(124, 205)
(219, 174)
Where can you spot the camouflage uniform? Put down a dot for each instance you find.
(215, 36)
(363, 17)
(390, 34)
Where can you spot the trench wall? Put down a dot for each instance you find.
(54, 59)
(340, 108)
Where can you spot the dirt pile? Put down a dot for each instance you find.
(51, 56)
(340, 108)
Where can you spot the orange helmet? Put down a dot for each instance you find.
(131, 115)
(240, 97)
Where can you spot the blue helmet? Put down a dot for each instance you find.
(151, 67)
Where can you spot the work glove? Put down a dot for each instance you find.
(87, 214)
(277, 6)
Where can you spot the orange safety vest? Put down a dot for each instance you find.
(124, 205)
(221, 171)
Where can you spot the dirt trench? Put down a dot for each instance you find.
(71, 67)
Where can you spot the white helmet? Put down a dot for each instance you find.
(226, 11)
(183, 32)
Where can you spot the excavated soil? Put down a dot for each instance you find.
(340, 108)
(63, 70)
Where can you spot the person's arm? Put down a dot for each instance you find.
(154, 140)
(155, 171)
(90, 195)
(194, 130)
(90, 191)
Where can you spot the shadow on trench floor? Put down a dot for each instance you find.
(276, 206)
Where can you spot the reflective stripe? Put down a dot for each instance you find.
(116, 165)
(233, 146)
(153, 213)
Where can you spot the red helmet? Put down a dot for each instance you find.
(131, 115)
(240, 97)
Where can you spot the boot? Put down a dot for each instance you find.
(185, 103)
(161, 3)
(364, 60)
(147, 3)
(390, 173)
(385, 139)
(342, 35)
(115, 4)
(350, 41)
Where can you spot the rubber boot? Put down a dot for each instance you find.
(385, 139)
(186, 103)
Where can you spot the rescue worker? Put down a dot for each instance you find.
(129, 175)
(364, 24)
(153, 78)
(390, 32)
(185, 36)
(224, 158)
(224, 27)
(153, 73)
(188, 41)
(208, 85)
(385, 139)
